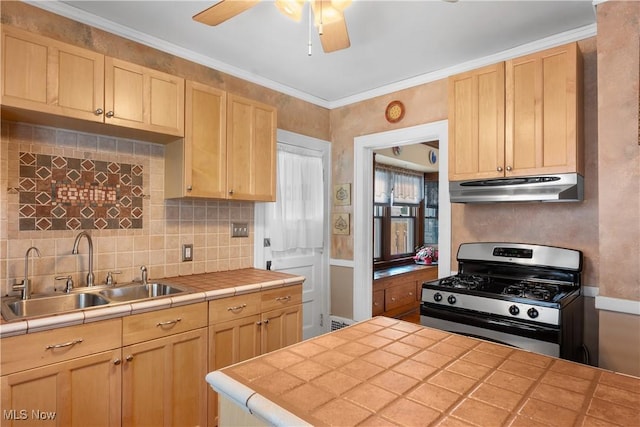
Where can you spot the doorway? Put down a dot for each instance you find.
(363, 206)
(313, 264)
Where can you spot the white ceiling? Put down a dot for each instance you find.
(394, 44)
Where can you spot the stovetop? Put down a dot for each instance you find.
(503, 288)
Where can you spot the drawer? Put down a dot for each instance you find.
(222, 310)
(400, 295)
(281, 297)
(58, 345)
(378, 303)
(161, 323)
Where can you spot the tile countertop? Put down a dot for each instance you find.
(202, 287)
(388, 372)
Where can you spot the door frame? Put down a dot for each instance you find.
(259, 261)
(363, 205)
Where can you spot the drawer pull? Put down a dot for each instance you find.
(66, 344)
(168, 322)
(236, 308)
(287, 298)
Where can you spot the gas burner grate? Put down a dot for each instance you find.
(463, 281)
(532, 290)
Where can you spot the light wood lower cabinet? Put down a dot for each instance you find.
(79, 392)
(163, 381)
(246, 326)
(399, 295)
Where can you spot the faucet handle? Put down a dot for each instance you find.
(68, 286)
(110, 280)
(143, 272)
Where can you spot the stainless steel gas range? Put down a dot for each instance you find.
(527, 296)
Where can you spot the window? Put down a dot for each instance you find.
(398, 194)
(431, 210)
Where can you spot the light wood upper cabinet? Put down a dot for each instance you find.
(518, 118)
(48, 76)
(544, 112)
(251, 150)
(476, 124)
(197, 165)
(76, 88)
(229, 149)
(142, 98)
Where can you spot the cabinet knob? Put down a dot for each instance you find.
(231, 191)
(509, 168)
(189, 188)
(129, 358)
(117, 362)
(258, 323)
(266, 321)
(499, 169)
(110, 114)
(99, 112)
(410, 293)
(393, 298)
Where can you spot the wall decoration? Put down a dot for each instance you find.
(340, 223)
(342, 195)
(64, 193)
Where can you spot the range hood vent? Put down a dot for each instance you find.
(541, 188)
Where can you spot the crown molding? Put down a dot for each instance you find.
(70, 12)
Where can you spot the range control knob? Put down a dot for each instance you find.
(533, 313)
(514, 310)
(437, 297)
(451, 299)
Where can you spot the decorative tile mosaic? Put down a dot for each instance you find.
(64, 193)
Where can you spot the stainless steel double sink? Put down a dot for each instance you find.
(14, 308)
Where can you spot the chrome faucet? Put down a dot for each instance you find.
(75, 252)
(25, 287)
(143, 272)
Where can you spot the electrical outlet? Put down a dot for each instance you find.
(187, 252)
(240, 229)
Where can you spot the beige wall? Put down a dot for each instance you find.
(619, 183)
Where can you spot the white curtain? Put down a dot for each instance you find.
(296, 217)
(394, 185)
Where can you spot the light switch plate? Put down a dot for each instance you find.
(187, 252)
(239, 229)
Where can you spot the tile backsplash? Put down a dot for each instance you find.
(55, 183)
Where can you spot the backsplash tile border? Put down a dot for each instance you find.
(66, 193)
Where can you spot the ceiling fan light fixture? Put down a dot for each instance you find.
(325, 13)
(291, 8)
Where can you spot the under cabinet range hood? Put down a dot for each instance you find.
(541, 188)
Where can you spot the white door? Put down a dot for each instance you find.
(312, 263)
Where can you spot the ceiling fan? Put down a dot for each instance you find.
(328, 17)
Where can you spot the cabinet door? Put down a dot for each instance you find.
(476, 124)
(231, 342)
(251, 150)
(543, 126)
(205, 143)
(281, 328)
(163, 381)
(378, 303)
(140, 98)
(45, 75)
(79, 392)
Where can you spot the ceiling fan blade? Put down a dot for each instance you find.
(223, 10)
(335, 36)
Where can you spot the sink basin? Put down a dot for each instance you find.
(140, 291)
(50, 305)
(16, 309)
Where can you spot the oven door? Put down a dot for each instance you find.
(536, 338)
